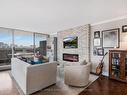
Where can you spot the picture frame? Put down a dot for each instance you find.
(97, 42)
(124, 28)
(97, 34)
(48, 47)
(100, 51)
(110, 38)
(94, 51)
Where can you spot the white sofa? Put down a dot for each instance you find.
(32, 78)
(77, 75)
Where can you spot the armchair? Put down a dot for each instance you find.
(77, 75)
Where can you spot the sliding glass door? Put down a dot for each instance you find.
(5, 46)
(18, 43)
(23, 44)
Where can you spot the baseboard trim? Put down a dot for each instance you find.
(93, 73)
(5, 67)
(103, 74)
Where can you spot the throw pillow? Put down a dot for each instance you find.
(36, 62)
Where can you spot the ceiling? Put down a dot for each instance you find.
(51, 16)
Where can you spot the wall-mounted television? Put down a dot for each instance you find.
(70, 42)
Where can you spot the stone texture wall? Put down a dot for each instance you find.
(51, 44)
(83, 34)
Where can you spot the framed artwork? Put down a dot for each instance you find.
(100, 51)
(94, 51)
(97, 42)
(124, 28)
(110, 38)
(48, 47)
(97, 34)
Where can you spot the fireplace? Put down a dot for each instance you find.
(70, 57)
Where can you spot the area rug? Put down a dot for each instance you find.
(60, 88)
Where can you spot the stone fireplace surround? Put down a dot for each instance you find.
(83, 50)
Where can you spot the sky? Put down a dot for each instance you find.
(20, 39)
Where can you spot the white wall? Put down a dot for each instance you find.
(106, 26)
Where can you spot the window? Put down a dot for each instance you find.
(40, 44)
(18, 43)
(5, 46)
(23, 43)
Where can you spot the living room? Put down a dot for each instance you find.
(63, 47)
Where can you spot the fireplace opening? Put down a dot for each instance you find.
(70, 57)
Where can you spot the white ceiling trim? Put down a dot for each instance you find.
(102, 22)
(109, 20)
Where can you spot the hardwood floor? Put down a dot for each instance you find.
(7, 86)
(105, 86)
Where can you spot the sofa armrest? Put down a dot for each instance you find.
(19, 72)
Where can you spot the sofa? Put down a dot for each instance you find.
(32, 78)
(77, 75)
